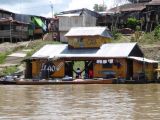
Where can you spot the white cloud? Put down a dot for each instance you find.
(77, 4)
(48, 15)
(55, 1)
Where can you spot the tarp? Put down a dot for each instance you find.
(39, 22)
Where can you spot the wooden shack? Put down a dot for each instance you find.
(147, 11)
(122, 60)
(12, 30)
(75, 18)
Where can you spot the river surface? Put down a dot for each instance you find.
(80, 102)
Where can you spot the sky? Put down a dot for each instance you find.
(43, 7)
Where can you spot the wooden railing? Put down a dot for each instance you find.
(13, 34)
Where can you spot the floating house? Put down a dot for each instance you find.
(92, 46)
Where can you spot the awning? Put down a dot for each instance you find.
(143, 59)
(39, 22)
(158, 70)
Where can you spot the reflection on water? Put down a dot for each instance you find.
(80, 102)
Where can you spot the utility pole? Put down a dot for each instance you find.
(51, 8)
(51, 22)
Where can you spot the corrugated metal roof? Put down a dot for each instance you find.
(69, 15)
(154, 2)
(88, 31)
(115, 50)
(81, 11)
(49, 51)
(129, 7)
(143, 59)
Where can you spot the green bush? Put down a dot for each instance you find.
(133, 23)
(9, 70)
(148, 38)
(116, 35)
(157, 32)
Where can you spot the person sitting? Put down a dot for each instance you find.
(78, 73)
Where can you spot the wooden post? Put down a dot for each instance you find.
(10, 31)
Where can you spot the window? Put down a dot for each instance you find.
(107, 65)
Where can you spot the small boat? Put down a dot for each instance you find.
(60, 82)
(6, 82)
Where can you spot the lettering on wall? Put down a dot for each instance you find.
(50, 67)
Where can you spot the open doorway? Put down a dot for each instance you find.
(129, 69)
(79, 66)
(69, 68)
(89, 69)
(85, 69)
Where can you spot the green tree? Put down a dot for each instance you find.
(99, 7)
(157, 32)
(132, 23)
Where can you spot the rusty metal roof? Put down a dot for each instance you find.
(5, 20)
(128, 7)
(154, 2)
(5, 10)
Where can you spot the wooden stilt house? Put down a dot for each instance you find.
(12, 30)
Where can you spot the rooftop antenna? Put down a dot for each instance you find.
(51, 4)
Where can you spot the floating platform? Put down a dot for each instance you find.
(59, 82)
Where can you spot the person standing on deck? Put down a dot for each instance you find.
(90, 74)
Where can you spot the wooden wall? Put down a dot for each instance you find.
(4, 15)
(139, 67)
(120, 71)
(66, 23)
(37, 65)
(87, 42)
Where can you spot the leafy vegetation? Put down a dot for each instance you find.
(2, 57)
(8, 70)
(99, 7)
(133, 23)
(116, 35)
(157, 32)
(34, 46)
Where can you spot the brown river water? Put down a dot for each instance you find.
(80, 102)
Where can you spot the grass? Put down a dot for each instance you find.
(2, 57)
(36, 45)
